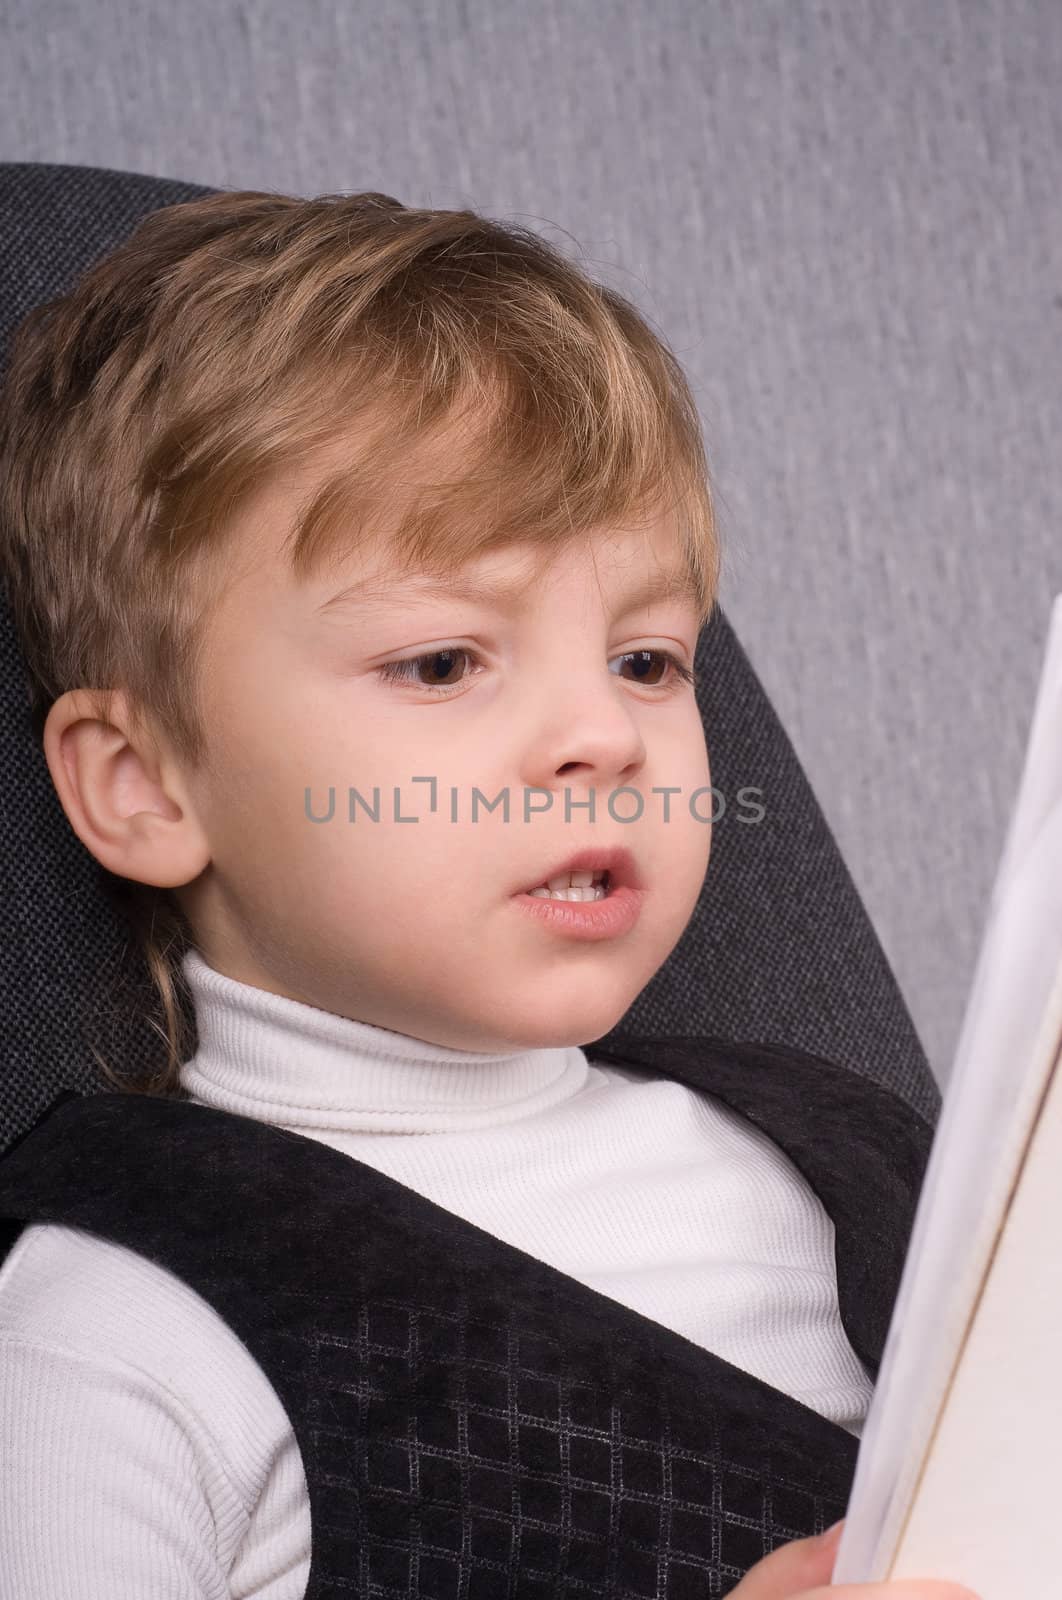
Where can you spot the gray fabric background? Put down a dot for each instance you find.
(845, 217)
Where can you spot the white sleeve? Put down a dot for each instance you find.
(106, 1492)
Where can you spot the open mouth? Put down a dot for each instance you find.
(576, 886)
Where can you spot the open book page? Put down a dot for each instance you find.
(949, 1480)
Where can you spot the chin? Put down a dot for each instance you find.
(554, 1025)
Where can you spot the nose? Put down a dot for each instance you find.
(586, 731)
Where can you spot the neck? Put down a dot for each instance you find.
(288, 1062)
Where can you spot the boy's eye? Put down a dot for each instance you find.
(441, 669)
(644, 663)
(437, 664)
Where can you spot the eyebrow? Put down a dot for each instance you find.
(509, 596)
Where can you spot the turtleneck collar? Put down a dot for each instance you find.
(287, 1062)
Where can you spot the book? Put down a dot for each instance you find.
(957, 1475)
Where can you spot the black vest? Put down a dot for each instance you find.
(474, 1423)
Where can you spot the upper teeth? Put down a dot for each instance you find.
(567, 881)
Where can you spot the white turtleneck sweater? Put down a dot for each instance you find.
(143, 1453)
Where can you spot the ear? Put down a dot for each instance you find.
(124, 797)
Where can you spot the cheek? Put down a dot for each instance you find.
(689, 829)
(687, 756)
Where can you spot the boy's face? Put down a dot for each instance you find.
(413, 925)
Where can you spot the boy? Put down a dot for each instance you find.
(307, 499)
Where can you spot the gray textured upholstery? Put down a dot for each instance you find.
(779, 948)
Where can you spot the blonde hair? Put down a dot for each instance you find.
(231, 337)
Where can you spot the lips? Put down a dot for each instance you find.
(617, 861)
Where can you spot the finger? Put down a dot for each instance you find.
(895, 1589)
(792, 1569)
